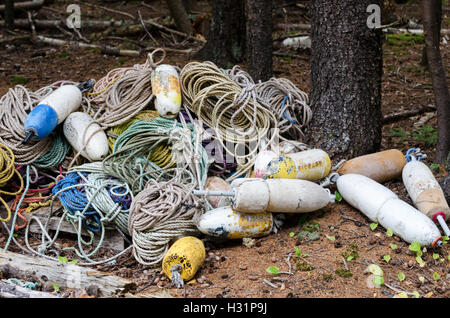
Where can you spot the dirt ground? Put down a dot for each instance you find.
(234, 270)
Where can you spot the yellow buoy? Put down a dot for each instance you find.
(187, 254)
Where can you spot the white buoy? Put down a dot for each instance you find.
(382, 206)
(262, 161)
(80, 124)
(426, 193)
(227, 223)
(51, 111)
(253, 195)
(166, 87)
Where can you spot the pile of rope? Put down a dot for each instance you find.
(160, 213)
(7, 172)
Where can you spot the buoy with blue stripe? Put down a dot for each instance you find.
(166, 87)
(53, 110)
(382, 206)
(425, 191)
(85, 135)
(255, 195)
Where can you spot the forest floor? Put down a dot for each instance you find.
(323, 268)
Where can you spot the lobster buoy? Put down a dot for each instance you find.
(78, 125)
(51, 111)
(382, 206)
(217, 184)
(312, 165)
(228, 223)
(166, 87)
(183, 259)
(278, 195)
(380, 166)
(262, 161)
(425, 192)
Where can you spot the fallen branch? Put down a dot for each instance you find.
(67, 275)
(28, 5)
(8, 290)
(107, 9)
(85, 24)
(388, 119)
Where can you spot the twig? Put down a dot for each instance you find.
(265, 281)
(145, 28)
(108, 9)
(30, 19)
(168, 49)
(345, 264)
(398, 290)
(390, 118)
(162, 27)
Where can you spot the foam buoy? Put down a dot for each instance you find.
(78, 125)
(228, 223)
(380, 166)
(382, 206)
(217, 184)
(183, 259)
(51, 111)
(425, 192)
(312, 165)
(166, 87)
(262, 161)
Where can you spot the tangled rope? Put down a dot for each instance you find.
(123, 92)
(160, 213)
(231, 111)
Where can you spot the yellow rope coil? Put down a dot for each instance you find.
(7, 171)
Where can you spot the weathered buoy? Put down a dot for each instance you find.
(425, 192)
(217, 184)
(382, 206)
(51, 111)
(78, 125)
(166, 87)
(380, 166)
(312, 165)
(183, 259)
(228, 223)
(262, 161)
(278, 195)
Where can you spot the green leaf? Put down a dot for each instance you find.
(15, 235)
(420, 261)
(387, 258)
(291, 234)
(436, 276)
(298, 252)
(272, 270)
(415, 247)
(378, 280)
(338, 196)
(389, 232)
(350, 258)
(73, 262)
(373, 226)
(401, 276)
(435, 256)
(394, 246)
(56, 287)
(375, 269)
(331, 238)
(445, 239)
(63, 260)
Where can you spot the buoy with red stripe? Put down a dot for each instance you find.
(425, 191)
(255, 195)
(382, 206)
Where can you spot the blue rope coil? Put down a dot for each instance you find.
(408, 154)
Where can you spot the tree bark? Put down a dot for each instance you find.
(432, 12)
(9, 14)
(226, 40)
(259, 39)
(346, 69)
(180, 16)
(438, 18)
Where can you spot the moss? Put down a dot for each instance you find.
(304, 267)
(327, 277)
(342, 272)
(404, 39)
(351, 251)
(18, 80)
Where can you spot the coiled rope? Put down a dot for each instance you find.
(160, 213)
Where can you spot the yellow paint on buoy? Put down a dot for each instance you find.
(189, 252)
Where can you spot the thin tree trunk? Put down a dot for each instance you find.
(437, 17)
(259, 39)
(226, 40)
(346, 68)
(180, 16)
(431, 25)
(9, 14)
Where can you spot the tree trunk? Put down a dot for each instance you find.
(438, 18)
(259, 39)
(180, 16)
(432, 11)
(346, 68)
(226, 40)
(9, 14)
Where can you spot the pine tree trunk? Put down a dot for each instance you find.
(226, 40)
(259, 39)
(346, 68)
(432, 12)
(9, 14)
(180, 16)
